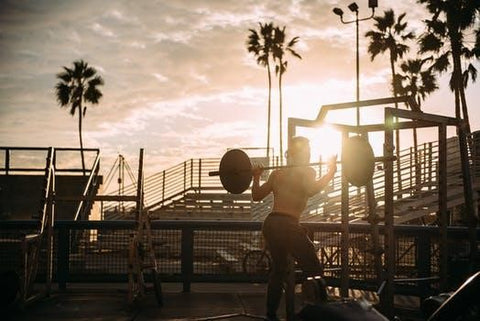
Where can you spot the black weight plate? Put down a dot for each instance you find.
(235, 171)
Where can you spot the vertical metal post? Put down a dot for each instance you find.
(442, 204)
(63, 257)
(187, 258)
(184, 176)
(191, 173)
(357, 59)
(345, 246)
(163, 185)
(423, 261)
(50, 222)
(199, 175)
(7, 161)
(388, 291)
(139, 186)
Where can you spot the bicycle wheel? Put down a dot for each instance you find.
(256, 262)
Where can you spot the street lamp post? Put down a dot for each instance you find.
(354, 8)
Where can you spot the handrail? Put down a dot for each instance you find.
(88, 187)
(7, 167)
(49, 189)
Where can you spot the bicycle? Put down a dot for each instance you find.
(259, 262)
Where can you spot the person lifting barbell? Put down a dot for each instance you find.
(291, 186)
(358, 165)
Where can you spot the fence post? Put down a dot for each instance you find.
(184, 176)
(387, 295)
(7, 161)
(187, 257)
(163, 186)
(345, 246)
(191, 173)
(199, 175)
(423, 261)
(63, 257)
(442, 204)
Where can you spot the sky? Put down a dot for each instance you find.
(179, 81)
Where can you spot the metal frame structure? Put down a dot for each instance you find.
(415, 119)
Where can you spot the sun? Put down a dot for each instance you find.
(325, 142)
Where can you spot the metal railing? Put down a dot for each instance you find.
(31, 159)
(200, 251)
(416, 179)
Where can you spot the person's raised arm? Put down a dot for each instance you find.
(321, 183)
(259, 192)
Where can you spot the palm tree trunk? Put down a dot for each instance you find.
(463, 130)
(280, 108)
(269, 110)
(80, 136)
(397, 131)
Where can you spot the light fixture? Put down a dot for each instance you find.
(353, 7)
(338, 11)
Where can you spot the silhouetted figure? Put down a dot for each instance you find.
(291, 188)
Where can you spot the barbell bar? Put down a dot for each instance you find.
(358, 164)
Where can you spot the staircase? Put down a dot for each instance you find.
(185, 191)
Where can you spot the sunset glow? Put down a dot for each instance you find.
(179, 81)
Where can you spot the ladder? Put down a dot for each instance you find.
(141, 256)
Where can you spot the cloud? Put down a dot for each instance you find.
(178, 78)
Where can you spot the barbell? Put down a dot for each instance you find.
(358, 165)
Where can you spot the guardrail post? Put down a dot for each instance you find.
(191, 173)
(387, 295)
(7, 161)
(63, 257)
(442, 204)
(423, 261)
(184, 176)
(187, 258)
(199, 175)
(163, 186)
(344, 241)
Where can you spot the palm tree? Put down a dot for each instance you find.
(279, 50)
(417, 82)
(260, 44)
(77, 86)
(447, 38)
(390, 35)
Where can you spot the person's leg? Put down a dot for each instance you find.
(304, 252)
(276, 244)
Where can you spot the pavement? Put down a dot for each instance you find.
(105, 302)
(102, 302)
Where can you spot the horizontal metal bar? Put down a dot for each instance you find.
(104, 198)
(17, 148)
(234, 225)
(414, 115)
(362, 103)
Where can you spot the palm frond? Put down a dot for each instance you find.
(62, 91)
(430, 42)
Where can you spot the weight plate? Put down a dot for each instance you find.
(235, 171)
(358, 160)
